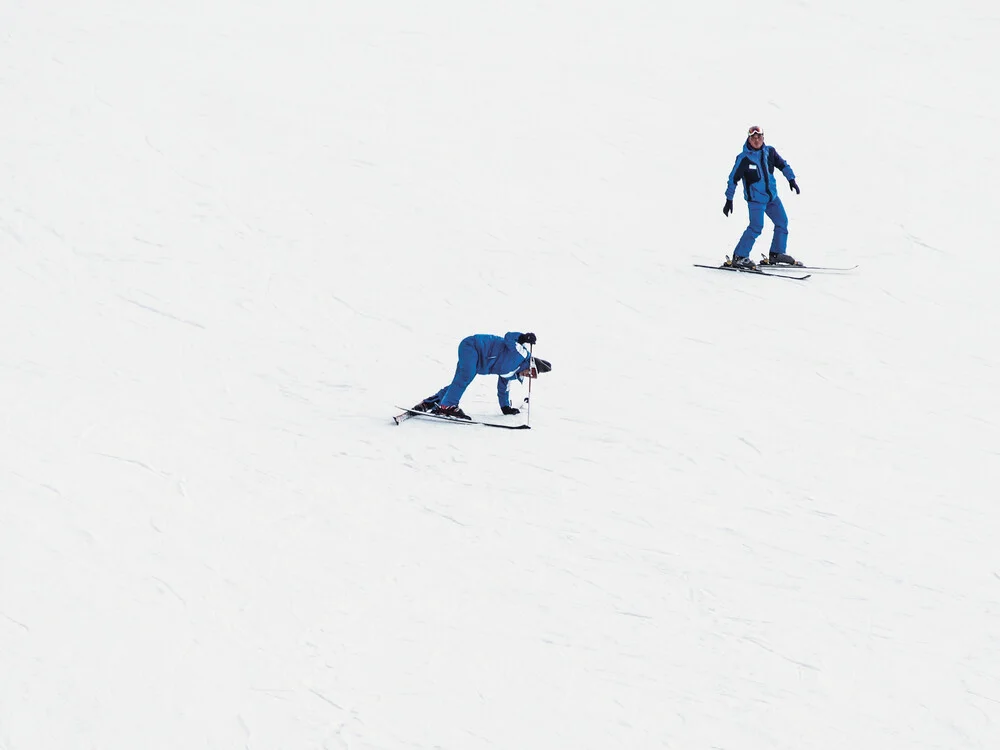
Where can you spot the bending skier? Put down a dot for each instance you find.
(755, 168)
(507, 357)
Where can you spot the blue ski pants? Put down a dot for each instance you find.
(465, 371)
(776, 213)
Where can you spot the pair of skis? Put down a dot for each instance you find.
(757, 272)
(409, 413)
(777, 270)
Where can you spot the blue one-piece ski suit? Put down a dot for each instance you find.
(755, 168)
(485, 354)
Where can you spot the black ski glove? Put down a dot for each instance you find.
(728, 208)
(794, 186)
(509, 410)
(527, 338)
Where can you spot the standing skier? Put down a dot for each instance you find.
(485, 354)
(755, 167)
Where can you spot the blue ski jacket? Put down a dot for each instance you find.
(755, 168)
(486, 354)
(503, 357)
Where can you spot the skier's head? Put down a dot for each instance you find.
(755, 136)
(534, 367)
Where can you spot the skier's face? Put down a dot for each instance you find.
(756, 136)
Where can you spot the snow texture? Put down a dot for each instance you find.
(750, 515)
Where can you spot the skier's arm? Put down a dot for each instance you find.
(503, 391)
(735, 176)
(784, 166)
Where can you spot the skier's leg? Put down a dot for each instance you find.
(436, 398)
(776, 213)
(752, 232)
(465, 371)
(431, 401)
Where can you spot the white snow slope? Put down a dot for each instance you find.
(751, 514)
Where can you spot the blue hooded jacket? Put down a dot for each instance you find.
(486, 354)
(503, 357)
(755, 167)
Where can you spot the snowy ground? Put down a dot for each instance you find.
(751, 514)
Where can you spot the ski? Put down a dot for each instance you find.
(441, 418)
(754, 272)
(780, 267)
(400, 418)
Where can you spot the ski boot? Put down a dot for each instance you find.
(425, 405)
(779, 259)
(450, 411)
(742, 262)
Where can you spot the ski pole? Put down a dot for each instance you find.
(531, 367)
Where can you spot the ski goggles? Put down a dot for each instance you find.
(755, 131)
